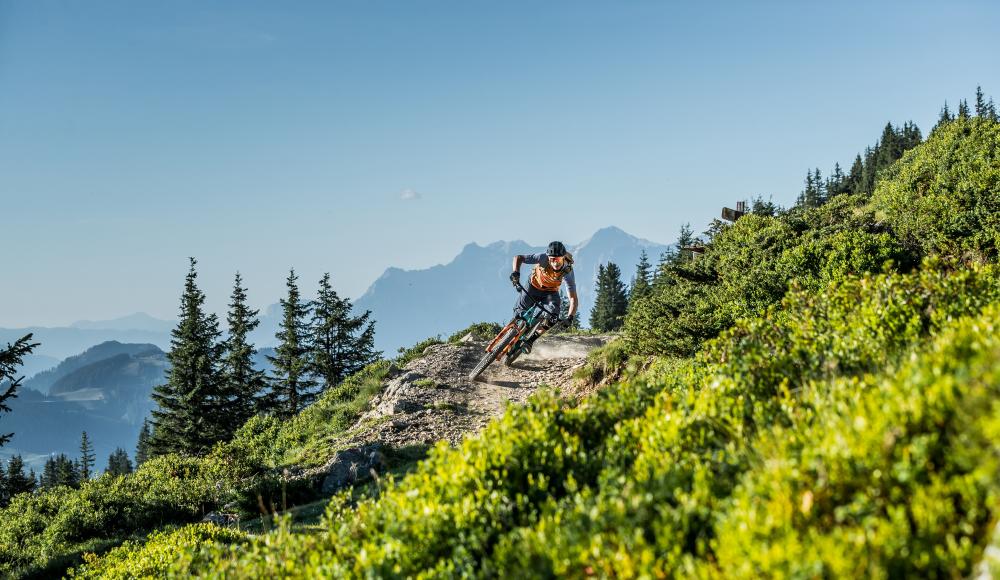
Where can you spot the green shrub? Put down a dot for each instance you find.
(160, 552)
(943, 197)
(479, 331)
(416, 351)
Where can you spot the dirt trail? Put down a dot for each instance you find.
(432, 399)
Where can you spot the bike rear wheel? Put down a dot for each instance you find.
(490, 356)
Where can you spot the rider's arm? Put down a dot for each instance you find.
(518, 259)
(573, 303)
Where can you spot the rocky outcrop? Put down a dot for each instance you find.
(432, 399)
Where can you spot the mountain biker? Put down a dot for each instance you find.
(551, 269)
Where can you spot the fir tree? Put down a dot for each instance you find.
(60, 470)
(945, 117)
(17, 482)
(292, 387)
(761, 207)
(188, 418)
(611, 302)
(963, 109)
(119, 463)
(5, 493)
(341, 344)
(686, 239)
(142, 446)
(980, 102)
(86, 457)
(835, 183)
(855, 179)
(10, 359)
(243, 385)
(641, 283)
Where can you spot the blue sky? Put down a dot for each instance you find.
(352, 136)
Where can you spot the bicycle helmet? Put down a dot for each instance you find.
(556, 249)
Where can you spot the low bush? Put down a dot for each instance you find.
(479, 331)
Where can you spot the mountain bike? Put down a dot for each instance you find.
(509, 342)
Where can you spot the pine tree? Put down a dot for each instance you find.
(836, 182)
(686, 239)
(10, 359)
(17, 482)
(980, 102)
(855, 179)
(5, 493)
(60, 470)
(142, 446)
(611, 302)
(50, 476)
(187, 420)
(119, 463)
(86, 457)
(641, 285)
(946, 115)
(243, 385)
(963, 109)
(338, 350)
(292, 387)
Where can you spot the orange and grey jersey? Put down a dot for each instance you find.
(545, 278)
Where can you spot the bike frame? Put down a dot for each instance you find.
(529, 317)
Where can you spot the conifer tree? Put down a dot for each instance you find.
(86, 457)
(641, 285)
(142, 446)
(835, 183)
(980, 102)
(119, 463)
(5, 493)
(963, 109)
(855, 178)
(611, 302)
(60, 470)
(945, 117)
(11, 358)
(187, 420)
(341, 344)
(292, 387)
(17, 482)
(243, 385)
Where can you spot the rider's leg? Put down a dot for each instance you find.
(551, 301)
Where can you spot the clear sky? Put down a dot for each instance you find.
(352, 136)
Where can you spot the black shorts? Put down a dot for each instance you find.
(551, 300)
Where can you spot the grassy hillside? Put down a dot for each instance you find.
(822, 400)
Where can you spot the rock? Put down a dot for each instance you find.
(351, 466)
(222, 519)
(467, 338)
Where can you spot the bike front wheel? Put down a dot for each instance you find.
(491, 354)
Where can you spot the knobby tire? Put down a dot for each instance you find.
(491, 354)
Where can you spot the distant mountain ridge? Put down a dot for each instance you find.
(42, 381)
(139, 321)
(104, 391)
